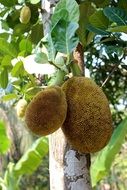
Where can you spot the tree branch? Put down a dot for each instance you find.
(79, 58)
(109, 76)
(114, 69)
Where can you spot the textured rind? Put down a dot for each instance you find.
(47, 111)
(88, 124)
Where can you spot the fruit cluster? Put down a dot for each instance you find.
(79, 107)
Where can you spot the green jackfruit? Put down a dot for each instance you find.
(88, 124)
(47, 111)
(25, 15)
(21, 107)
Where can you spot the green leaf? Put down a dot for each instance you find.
(7, 48)
(8, 3)
(116, 15)
(71, 11)
(6, 61)
(4, 78)
(104, 159)
(4, 35)
(10, 180)
(32, 158)
(25, 45)
(4, 25)
(35, 14)
(13, 18)
(49, 44)
(64, 38)
(4, 141)
(41, 58)
(36, 33)
(86, 9)
(20, 29)
(122, 4)
(58, 15)
(99, 20)
(1, 57)
(90, 37)
(3, 11)
(31, 92)
(59, 61)
(118, 29)
(110, 50)
(97, 30)
(76, 71)
(57, 79)
(2, 184)
(9, 97)
(17, 69)
(34, 1)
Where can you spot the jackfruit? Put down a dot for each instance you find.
(47, 111)
(25, 15)
(21, 107)
(88, 124)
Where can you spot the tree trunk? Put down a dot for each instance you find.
(69, 169)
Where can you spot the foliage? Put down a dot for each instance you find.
(104, 159)
(26, 165)
(4, 141)
(39, 179)
(97, 25)
(63, 36)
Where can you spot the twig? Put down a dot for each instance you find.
(109, 76)
(54, 65)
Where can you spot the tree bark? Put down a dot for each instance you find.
(69, 169)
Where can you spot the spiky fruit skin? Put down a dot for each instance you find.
(88, 124)
(47, 111)
(21, 107)
(25, 15)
